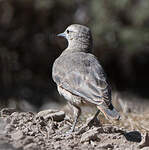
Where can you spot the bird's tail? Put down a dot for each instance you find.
(110, 114)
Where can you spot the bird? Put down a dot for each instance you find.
(80, 77)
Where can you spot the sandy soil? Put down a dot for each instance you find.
(48, 130)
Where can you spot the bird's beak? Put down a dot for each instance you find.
(62, 34)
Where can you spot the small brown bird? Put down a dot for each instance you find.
(79, 75)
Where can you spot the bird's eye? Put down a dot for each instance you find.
(67, 31)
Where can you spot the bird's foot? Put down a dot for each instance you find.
(89, 123)
(93, 121)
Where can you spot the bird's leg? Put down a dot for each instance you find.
(88, 123)
(77, 112)
(91, 121)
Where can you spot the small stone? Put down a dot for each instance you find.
(17, 144)
(90, 135)
(14, 115)
(9, 128)
(106, 146)
(7, 112)
(55, 115)
(133, 136)
(17, 135)
(58, 137)
(57, 145)
(28, 140)
(114, 137)
(69, 136)
(31, 146)
(93, 143)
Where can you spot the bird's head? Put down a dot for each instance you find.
(78, 37)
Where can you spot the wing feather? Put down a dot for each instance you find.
(87, 80)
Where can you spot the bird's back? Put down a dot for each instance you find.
(79, 61)
(81, 74)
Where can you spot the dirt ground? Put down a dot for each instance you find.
(48, 130)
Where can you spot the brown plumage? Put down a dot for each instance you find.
(79, 75)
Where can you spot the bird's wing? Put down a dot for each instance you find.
(88, 81)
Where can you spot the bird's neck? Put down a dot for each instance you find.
(78, 47)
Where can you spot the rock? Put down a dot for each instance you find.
(7, 111)
(55, 115)
(31, 146)
(133, 136)
(57, 145)
(17, 144)
(145, 141)
(28, 140)
(90, 135)
(106, 146)
(17, 135)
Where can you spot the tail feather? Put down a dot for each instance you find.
(110, 114)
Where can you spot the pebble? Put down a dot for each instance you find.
(55, 115)
(17, 135)
(90, 135)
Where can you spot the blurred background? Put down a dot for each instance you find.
(28, 46)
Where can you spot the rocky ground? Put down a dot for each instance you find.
(48, 130)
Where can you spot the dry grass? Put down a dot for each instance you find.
(134, 121)
(134, 114)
